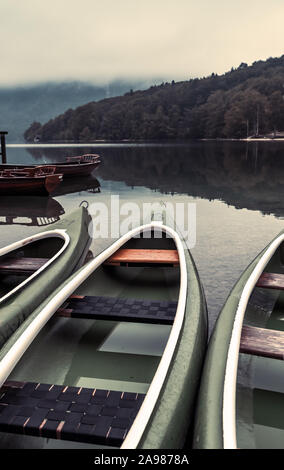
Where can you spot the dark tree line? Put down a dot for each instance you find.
(245, 101)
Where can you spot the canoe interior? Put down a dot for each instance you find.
(45, 248)
(97, 353)
(260, 389)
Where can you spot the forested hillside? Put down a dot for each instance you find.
(245, 101)
(20, 105)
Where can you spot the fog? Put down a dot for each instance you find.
(130, 39)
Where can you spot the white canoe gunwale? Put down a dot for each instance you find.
(14, 354)
(26, 241)
(230, 381)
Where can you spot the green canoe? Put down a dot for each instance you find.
(117, 354)
(241, 397)
(30, 269)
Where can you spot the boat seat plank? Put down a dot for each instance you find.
(21, 265)
(262, 342)
(271, 281)
(134, 256)
(117, 309)
(69, 413)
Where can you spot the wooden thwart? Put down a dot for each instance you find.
(271, 281)
(21, 265)
(262, 342)
(132, 256)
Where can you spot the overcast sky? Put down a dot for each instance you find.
(100, 40)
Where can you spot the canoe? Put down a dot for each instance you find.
(73, 166)
(40, 181)
(31, 268)
(241, 395)
(113, 357)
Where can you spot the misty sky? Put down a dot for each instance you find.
(101, 40)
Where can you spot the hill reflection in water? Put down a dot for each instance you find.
(220, 176)
(243, 174)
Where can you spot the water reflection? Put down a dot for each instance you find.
(39, 211)
(29, 211)
(245, 175)
(74, 185)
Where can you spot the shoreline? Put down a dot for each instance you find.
(137, 142)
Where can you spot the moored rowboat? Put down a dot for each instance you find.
(241, 396)
(31, 268)
(128, 331)
(82, 165)
(39, 181)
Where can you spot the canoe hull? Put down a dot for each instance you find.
(209, 430)
(22, 301)
(171, 416)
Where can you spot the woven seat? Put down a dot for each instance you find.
(69, 413)
(111, 308)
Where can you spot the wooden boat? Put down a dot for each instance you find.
(40, 181)
(81, 165)
(117, 353)
(30, 269)
(241, 396)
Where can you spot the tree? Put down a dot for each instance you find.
(277, 111)
(215, 108)
(247, 100)
(33, 132)
(248, 111)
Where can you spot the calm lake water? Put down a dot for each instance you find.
(237, 187)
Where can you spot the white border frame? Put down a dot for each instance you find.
(12, 357)
(230, 383)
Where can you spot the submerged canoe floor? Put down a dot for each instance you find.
(100, 354)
